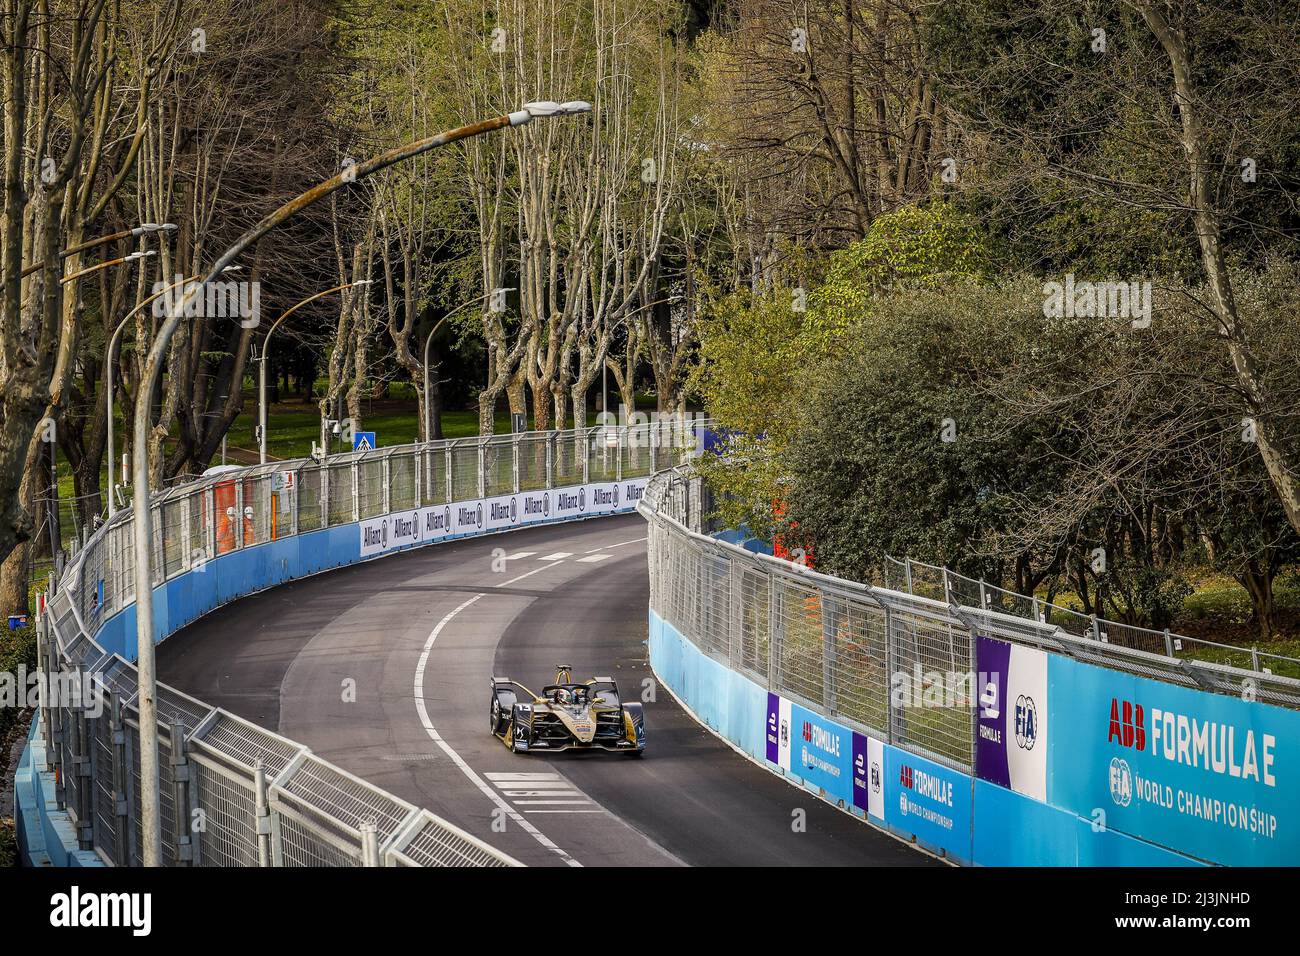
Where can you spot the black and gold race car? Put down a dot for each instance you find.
(566, 716)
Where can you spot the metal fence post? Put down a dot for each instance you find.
(180, 796)
(828, 652)
(262, 815)
(84, 767)
(482, 469)
(43, 679)
(123, 835)
(356, 492)
(889, 671)
(446, 455)
(515, 464)
(386, 476)
(1169, 645)
(907, 568)
(369, 843)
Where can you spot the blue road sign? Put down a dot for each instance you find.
(364, 441)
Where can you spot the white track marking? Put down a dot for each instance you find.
(494, 777)
(557, 556)
(456, 758)
(608, 547)
(564, 811)
(592, 558)
(520, 554)
(531, 802)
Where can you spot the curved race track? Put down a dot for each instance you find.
(417, 634)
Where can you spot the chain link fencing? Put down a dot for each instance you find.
(233, 793)
(894, 663)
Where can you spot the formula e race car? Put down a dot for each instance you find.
(566, 716)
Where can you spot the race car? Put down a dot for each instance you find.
(566, 716)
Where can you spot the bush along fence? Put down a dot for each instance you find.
(986, 737)
(232, 793)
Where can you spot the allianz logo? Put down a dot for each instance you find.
(500, 512)
(632, 492)
(467, 514)
(601, 496)
(534, 505)
(437, 520)
(405, 527)
(568, 500)
(376, 534)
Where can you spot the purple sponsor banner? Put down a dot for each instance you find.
(861, 772)
(992, 664)
(773, 729)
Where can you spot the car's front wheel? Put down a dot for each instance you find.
(495, 715)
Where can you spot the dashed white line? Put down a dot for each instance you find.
(557, 556)
(520, 554)
(591, 558)
(608, 547)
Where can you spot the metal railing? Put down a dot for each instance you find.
(930, 580)
(898, 666)
(232, 793)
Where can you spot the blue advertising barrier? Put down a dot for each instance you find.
(1215, 777)
(950, 813)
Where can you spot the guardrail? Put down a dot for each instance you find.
(882, 683)
(930, 580)
(234, 794)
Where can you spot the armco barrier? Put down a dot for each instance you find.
(1056, 751)
(232, 793)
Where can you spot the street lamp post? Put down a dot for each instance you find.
(143, 229)
(428, 418)
(150, 817)
(266, 348)
(108, 379)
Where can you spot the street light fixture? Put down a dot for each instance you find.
(108, 378)
(133, 257)
(266, 348)
(428, 422)
(143, 229)
(147, 702)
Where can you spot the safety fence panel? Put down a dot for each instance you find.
(262, 799)
(930, 707)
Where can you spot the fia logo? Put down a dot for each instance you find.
(1026, 722)
(875, 776)
(785, 733)
(1121, 782)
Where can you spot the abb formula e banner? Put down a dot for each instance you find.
(1211, 776)
(1011, 746)
(435, 522)
(847, 765)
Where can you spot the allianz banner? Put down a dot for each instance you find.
(1212, 776)
(431, 523)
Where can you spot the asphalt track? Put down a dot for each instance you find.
(334, 661)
